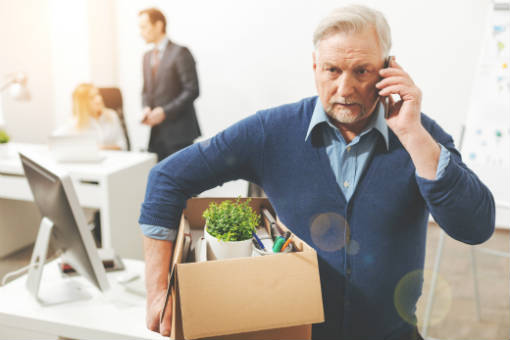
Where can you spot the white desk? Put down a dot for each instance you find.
(120, 316)
(115, 186)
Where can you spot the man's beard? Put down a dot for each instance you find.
(344, 115)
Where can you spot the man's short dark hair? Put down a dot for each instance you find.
(154, 15)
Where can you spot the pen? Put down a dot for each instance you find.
(261, 245)
(286, 242)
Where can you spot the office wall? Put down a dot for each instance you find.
(101, 22)
(83, 49)
(257, 54)
(58, 44)
(25, 45)
(70, 48)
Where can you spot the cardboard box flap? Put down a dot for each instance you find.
(176, 332)
(249, 294)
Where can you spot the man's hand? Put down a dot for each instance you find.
(155, 305)
(145, 113)
(405, 119)
(154, 117)
(404, 116)
(157, 263)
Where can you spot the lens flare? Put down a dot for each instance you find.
(352, 247)
(329, 231)
(408, 292)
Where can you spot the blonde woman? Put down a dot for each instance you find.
(91, 116)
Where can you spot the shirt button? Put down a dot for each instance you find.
(346, 184)
(348, 271)
(348, 148)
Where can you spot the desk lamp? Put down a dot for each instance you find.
(16, 84)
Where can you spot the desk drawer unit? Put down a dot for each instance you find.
(15, 187)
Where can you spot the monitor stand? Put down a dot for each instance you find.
(65, 289)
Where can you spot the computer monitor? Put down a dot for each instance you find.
(64, 223)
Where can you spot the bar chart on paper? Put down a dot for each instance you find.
(486, 147)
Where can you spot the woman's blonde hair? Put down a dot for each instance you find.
(82, 109)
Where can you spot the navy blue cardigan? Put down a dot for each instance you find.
(372, 250)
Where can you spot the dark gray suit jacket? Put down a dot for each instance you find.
(174, 88)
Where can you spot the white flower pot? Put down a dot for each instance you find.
(220, 250)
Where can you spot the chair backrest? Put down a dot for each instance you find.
(112, 98)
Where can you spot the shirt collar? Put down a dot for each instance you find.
(161, 45)
(378, 122)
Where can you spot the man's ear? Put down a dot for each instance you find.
(159, 26)
(314, 61)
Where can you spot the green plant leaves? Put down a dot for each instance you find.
(4, 137)
(231, 221)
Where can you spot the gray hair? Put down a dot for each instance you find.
(354, 18)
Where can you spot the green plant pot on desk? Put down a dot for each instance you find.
(228, 229)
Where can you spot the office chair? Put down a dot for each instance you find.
(113, 99)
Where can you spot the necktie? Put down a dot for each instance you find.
(155, 61)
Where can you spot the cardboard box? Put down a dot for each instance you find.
(267, 297)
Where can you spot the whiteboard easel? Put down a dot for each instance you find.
(486, 148)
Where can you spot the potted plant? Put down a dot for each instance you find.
(228, 228)
(4, 147)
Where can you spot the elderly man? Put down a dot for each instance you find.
(355, 185)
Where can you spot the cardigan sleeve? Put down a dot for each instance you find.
(235, 153)
(459, 202)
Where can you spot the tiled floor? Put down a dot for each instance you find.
(455, 307)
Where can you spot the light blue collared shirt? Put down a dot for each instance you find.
(349, 160)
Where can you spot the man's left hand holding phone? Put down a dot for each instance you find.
(403, 114)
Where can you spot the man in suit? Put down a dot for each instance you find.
(170, 85)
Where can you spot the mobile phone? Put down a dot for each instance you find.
(385, 100)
